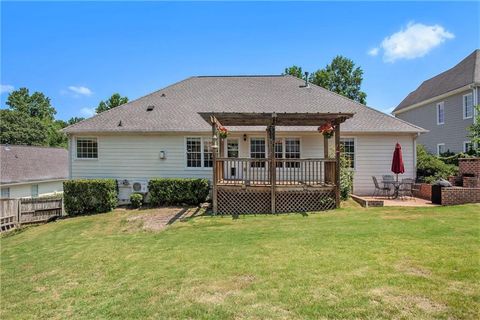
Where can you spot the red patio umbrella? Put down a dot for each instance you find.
(397, 161)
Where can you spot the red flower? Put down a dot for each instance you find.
(326, 128)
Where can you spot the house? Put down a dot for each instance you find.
(444, 105)
(30, 171)
(164, 134)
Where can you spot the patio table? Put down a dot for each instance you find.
(396, 187)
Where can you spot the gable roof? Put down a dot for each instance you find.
(464, 73)
(30, 163)
(176, 107)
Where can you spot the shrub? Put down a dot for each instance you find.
(178, 191)
(136, 200)
(87, 196)
(430, 168)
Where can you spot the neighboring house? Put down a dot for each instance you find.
(29, 171)
(162, 134)
(444, 105)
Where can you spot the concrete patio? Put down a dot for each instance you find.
(368, 201)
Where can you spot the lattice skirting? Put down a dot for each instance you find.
(243, 201)
(304, 201)
(251, 201)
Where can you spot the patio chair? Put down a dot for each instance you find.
(387, 178)
(406, 188)
(379, 190)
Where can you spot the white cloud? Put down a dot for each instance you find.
(414, 41)
(80, 90)
(4, 88)
(87, 112)
(373, 52)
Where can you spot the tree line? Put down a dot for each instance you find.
(30, 119)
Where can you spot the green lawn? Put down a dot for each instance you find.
(415, 263)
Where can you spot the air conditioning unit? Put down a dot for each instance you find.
(139, 186)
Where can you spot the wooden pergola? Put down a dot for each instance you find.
(271, 120)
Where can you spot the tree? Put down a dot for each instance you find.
(35, 105)
(475, 130)
(16, 128)
(295, 71)
(341, 76)
(30, 120)
(114, 101)
(74, 120)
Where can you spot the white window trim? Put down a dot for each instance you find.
(225, 146)
(276, 138)
(86, 159)
(465, 145)
(7, 191)
(442, 103)
(202, 167)
(438, 148)
(355, 152)
(31, 190)
(465, 106)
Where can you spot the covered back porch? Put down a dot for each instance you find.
(266, 182)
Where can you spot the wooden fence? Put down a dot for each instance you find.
(15, 212)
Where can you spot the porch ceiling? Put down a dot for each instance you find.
(269, 118)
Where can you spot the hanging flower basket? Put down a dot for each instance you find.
(326, 129)
(223, 132)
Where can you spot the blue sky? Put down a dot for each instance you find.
(81, 53)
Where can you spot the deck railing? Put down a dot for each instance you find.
(248, 171)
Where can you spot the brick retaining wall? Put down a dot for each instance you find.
(423, 191)
(471, 182)
(459, 195)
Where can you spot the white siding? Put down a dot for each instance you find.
(136, 157)
(374, 157)
(44, 189)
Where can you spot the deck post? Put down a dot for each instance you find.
(214, 173)
(325, 147)
(337, 165)
(273, 173)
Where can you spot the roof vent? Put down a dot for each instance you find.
(163, 95)
(150, 108)
(307, 85)
(120, 123)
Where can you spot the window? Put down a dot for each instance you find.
(257, 151)
(292, 151)
(232, 148)
(194, 152)
(440, 148)
(207, 153)
(467, 146)
(34, 190)
(440, 113)
(467, 106)
(279, 153)
(348, 148)
(87, 148)
(199, 152)
(5, 193)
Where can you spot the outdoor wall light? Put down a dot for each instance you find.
(162, 154)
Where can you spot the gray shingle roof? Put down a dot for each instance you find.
(464, 73)
(29, 163)
(176, 107)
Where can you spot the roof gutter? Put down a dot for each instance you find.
(16, 183)
(433, 99)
